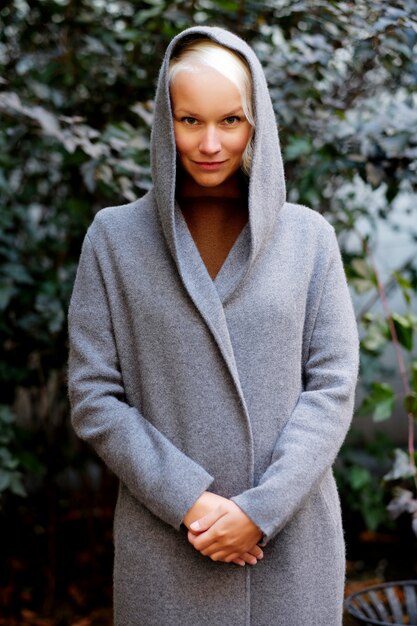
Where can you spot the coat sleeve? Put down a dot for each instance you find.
(314, 433)
(156, 472)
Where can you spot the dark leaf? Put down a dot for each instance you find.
(379, 403)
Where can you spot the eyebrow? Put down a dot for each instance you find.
(187, 113)
(191, 114)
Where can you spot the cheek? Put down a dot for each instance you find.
(240, 142)
(182, 142)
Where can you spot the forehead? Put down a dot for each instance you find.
(204, 90)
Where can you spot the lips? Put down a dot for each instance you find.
(209, 166)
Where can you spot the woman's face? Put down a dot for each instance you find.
(211, 130)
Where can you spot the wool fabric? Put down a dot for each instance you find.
(242, 385)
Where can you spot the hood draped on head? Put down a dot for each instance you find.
(266, 184)
(242, 385)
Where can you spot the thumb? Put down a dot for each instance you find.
(205, 522)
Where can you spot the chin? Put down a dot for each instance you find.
(213, 179)
(209, 184)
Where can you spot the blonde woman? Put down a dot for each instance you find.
(213, 363)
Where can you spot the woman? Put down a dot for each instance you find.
(213, 363)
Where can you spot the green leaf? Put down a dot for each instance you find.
(363, 269)
(5, 479)
(6, 415)
(404, 329)
(29, 462)
(359, 477)
(365, 278)
(297, 147)
(362, 285)
(7, 292)
(17, 273)
(377, 335)
(410, 403)
(7, 460)
(405, 286)
(379, 403)
(16, 485)
(145, 15)
(373, 510)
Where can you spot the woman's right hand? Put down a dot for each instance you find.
(208, 502)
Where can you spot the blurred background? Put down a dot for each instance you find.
(77, 80)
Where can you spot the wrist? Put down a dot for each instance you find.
(207, 502)
(195, 511)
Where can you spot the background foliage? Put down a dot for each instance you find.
(77, 79)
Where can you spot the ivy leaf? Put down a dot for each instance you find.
(404, 329)
(297, 147)
(142, 109)
(405, 286)
(7, 292)
(365, 279)
(6, 415)
(17, 274)
(359, 477)
(362, 268)
(402, 468)
(47, 120)
(4, 479)
(410, 403)
(379, 403)
(16, 485)
(377, 335)
(12, 480)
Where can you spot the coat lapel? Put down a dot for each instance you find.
(234, 266)
(206, 293)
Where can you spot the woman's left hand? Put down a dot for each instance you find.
(225, 533)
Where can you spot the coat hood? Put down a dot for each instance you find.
(266, 183)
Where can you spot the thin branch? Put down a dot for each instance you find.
(388, 286)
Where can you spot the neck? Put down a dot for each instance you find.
(234, 188)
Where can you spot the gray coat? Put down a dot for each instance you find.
(242, 385)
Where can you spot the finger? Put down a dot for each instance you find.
(249, 558)
(257, 552)
(217, 549)
(207, 540)
(239, 561)
(191, 537)
(206, 522)
(246, 557)
(208, 548)
(221, 555)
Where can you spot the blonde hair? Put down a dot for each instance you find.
(204, 51)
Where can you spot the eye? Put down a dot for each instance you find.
(232, 120)
(189, 121)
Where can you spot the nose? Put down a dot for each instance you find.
(210, 141)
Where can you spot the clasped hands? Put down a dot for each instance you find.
(219, 529)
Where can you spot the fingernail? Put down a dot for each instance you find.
(195, 526)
